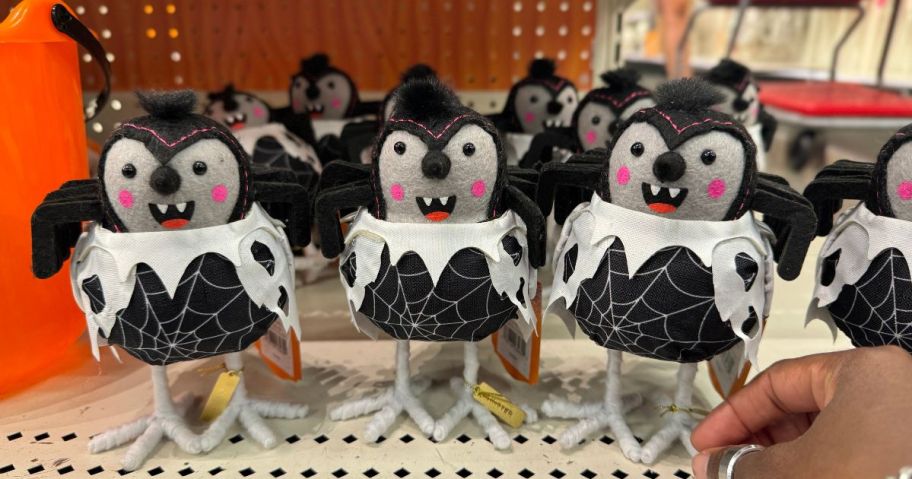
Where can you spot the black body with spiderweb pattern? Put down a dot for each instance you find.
(209, 315)
(463, 305)
(877, 309)
(665, 311)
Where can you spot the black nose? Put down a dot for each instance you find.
(669, 166)
(555, 107)
(435, 165)
(313, 92)
(165, 180)
(740, 104)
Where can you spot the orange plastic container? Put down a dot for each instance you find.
(42, 144)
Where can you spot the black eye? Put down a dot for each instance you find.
(468, 149)
(596, 120)
(708, 157)
(331, 85)
(128, 170)
(249, 99)
(533, 99)
(569, 100)
(399, 147)
(199, 168)
(637, 149)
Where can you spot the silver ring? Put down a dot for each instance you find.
(730, 458)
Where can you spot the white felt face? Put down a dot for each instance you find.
(250, 112)
(744, 108)
(593, 125)
(899, 182)
(330, 99)
(204, 195)
(533, 110)
(709, 170)
(462, 196)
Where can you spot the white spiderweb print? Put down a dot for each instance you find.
(463, 306)
(665, 311)
(210, 313)
(877, 309)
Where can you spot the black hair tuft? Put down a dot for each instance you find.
(168, 104)
(418, 70)
(226, 96)
(687, 94)
(727, 72)
(542, 68)
(620, 79)
(315, 65)
(424, 98)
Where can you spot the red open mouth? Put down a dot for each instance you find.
(436, 209)
(172, 216)
(663, 199)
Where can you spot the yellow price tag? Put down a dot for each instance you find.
(221, 394)
(499, 405)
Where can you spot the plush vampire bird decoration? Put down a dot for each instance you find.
(742, 101)
(180, 261)
(595, 120)
(237, 109)
(667, 261)
(540, 100)
(442, 248)
(326, 92)
(863, 282)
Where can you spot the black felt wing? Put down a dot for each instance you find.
(57, 223)
(284, 199)
(541, 150)
(843, 180)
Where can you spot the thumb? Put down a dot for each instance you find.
(779, 461)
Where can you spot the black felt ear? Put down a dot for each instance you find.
(843, 180)
(328, 205)
(57, 223)
(286, 201)
(582, 171)
(768, 125)
(543, 144)
(515, 200)
(794, 225)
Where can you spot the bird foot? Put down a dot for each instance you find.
(250, 413)
(147, 432)
(386, 407)
(467, 405)
(594, 417)
(678, 426)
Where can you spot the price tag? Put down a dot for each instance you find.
(520, 356)
(281, 351)
(499, 405)
(221, 394)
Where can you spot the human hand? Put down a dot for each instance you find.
(844, 414)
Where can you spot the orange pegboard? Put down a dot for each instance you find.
(202, 44)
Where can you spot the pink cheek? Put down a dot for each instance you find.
(479, 188)
(259, 112)
(591, 136)
(336, 103)
(397, 192)
(716, 189)
(219, 193)
(296, 104)
(125, 198)
(529, 117)
(623, 176)
(904, 190)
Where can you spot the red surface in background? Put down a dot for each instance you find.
(834, 99)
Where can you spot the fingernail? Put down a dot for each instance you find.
(699, 463)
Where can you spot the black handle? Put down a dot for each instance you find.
(66, 23)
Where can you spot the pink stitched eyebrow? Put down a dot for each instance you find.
(176, 142)
(681, 129)
(624, 101)
(428, 130)
(555, 86)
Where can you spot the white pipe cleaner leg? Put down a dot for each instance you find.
(597, 416)
(681, 421)
(166, 420)
(402, 396)
(466, 405)
(248, 412)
